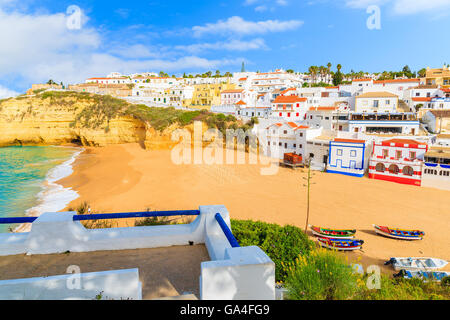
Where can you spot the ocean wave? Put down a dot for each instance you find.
(53, 197)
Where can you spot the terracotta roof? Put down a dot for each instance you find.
(360, 80)
(323, 108)
(397, 81)
(292, 124)
(349, 140)
(302, 127)
(421, 99)
(240, 103)
(233, 91)
(381, 94)
(329, 88)
(287, 90)
(242, 79)
(404, 141)
(289, 99)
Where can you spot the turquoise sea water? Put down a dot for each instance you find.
(27, 180)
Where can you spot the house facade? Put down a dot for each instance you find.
(347, 157)
(398, 160)
(436, 169)
(382, 101)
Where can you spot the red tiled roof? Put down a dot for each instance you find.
(322, 108)
(396, 81)
(349, 140)
(292, 124)
(403, 142)
(421, 99)
(358, 80)
(302, 127)
(287, 90)
(240, 103)
(233, 91)
(289, 99)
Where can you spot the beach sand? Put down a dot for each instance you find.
(122, 178)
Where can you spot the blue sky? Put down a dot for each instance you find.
(199, 35)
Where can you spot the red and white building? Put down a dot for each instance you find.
(290, 108)
(398, 160)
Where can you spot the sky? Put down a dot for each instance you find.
(69, 41)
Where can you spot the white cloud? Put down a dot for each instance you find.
(403, 7)
(239, 26)
(232, 45)
(418, 6)
(7, 93)
(38, 47)
(264, 5)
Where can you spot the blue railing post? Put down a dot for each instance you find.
(233, 242)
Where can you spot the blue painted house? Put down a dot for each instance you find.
(348, 157)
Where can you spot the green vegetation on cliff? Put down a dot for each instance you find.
(101, 109)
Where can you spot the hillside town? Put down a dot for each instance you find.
(391, 129)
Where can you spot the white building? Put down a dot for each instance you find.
(348, 157)
(376, 102)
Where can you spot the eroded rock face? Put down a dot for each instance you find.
(35, 121)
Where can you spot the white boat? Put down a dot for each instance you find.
(417, 264)
(423, 275)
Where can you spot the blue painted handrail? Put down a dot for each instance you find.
(233, 242)
(109, 216)
(17, 220)
(135, 215)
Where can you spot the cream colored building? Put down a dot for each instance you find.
(381, 102)
(440, 77)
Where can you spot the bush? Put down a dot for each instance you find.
(321, 275)
(282, 244)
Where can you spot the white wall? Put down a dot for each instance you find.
(57, 233)
(113, 285)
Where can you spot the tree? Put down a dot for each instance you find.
(51, 82)
(290, 71)
(422, 72)
(338, 77)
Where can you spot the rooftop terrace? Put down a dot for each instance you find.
(159, 268)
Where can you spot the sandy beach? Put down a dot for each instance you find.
(127, 178)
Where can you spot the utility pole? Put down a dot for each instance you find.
(308, 185)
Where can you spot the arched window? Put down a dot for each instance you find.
(408, 171)
(380, 167)
(394, 169)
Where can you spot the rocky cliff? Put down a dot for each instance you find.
(55, 118)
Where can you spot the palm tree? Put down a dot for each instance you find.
(329, 65)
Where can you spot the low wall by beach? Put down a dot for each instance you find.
(232, 273)
(107, 285)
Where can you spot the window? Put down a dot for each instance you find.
(380, 167)
(301, 134)
(388, 102)
(285, 131)
(295, 145)
(353, 153)
(394, 169)
(412, 155)
(385, 153)
(398, 154)
(339, 152)
(408, 171)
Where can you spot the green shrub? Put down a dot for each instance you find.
(282, 244)
(404, 289)
(321, 275)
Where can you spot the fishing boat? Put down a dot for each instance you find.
(417, 264)
(423, 275)
(399, 234)
(341, 244)
(330, 233)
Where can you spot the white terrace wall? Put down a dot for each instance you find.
(251, 270)
(112, 285)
